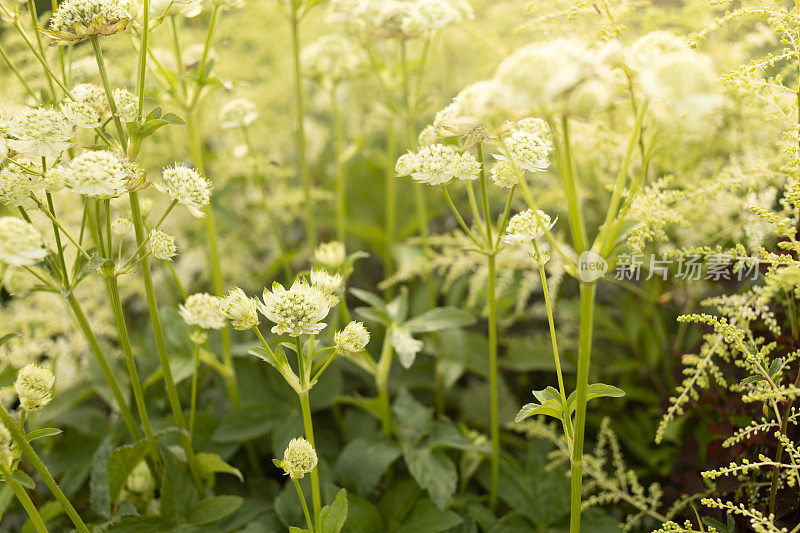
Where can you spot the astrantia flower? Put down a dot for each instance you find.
(77, 20)
(238, 113)
(162, 245)
(299, 458)
(98, 174)
(683, 81)
(438, 164)
(332, 58)
(127, 104)
(526, 226)
(352, 339)
(648, 48)
(187, 187)
(40, 132)
(94, 95)
(330, 254)
(20, 243)
(140, 480)
(503, 174)
(34, 386)
(527, 150)
(81, 114)
(325, 281)
(15, 187)
(202, 310)
(239, 309)
(55, 178)
(121, 226)
(298, 310)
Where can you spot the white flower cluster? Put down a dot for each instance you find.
(39, 132)
(238, 113)
(239, 309)
(331, 254)
(438, 164)
(352, 339)
(187, 187)
(77, 20)
(298, 310)
(20, 243)
(202, 310)
(98, 174)
(15, 187)
(402, 19)
(528, 151)
(332, 58)
(526, 226)
(34, 386)
(162, 245)
(299, 458)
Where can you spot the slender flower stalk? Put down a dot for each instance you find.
(30, 455)
(24, 499)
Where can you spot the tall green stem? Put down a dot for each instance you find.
(35, 23)
(587, 296)
(161, 348)
(214, 260)
(382, 384)
(24, 499)
(305, 406)
(390, 202)
(341, 177)
(300, 133)
(112, 105)
(303, 503)
(494, 419)
(30, 454)
(111, 379)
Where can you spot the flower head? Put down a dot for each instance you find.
(527, 150)
(331, 254)
(187, 187)
(34, 386)
(239, 309)
(332, 58)
(352, 339)
(325, 281)
(526, 226)
(438, 164)
(298, 310)
(299, 458)
(683, 81)
(202, 309)
(503, 174)
(98, 174)
(55, 178)
(81, 113)
(127, 105)
(77, 20)
(20, 243)
(40, 132)
(162, 245)
(15, 187)
(238, 113)
(121, 226)
(94, 95)
(140, 480)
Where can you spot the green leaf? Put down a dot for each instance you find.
(548, 393)
(406, 346)
(376, 302)
(178, 493)
(41, 433)
(211, 463)
(425, 518)
(438, 319)
(7, 337)
(414, 420)
(24, 479)
(363, 461)
(549, 408)
(122, 460)
(212, 509)
(252, 420)
(98, 482)
(775, 367)
(435, 472)
(332, 517)
(595, 390)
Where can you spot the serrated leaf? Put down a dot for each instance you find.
(595, 390)
(435, 472)
(549, 408)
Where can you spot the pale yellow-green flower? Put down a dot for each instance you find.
(20, 243)
(77, 20)
(202, 310)
(162, 245)
(298, 310)
(299, 458)
(34, 386)
(241, 310)
(352, 339)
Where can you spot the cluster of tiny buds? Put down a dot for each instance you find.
(352, 339)
(299, 458)
(162, 245)
(331, 255)
(34, 386)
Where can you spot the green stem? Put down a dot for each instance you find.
(201, 72)
(494, 419)
(161, 348)
(111, 379)
(193, 402)
(130, 364)
(309, 430)
(300, 133)
(24, 499)
(49, 213)
(29, 454)
(587, 296)
(576, 222)
(390, 202)
(142, 62)
(302, 497)
(101, 66)
(382, 384)
(341, 177)
(16, 72)
(460, 219)
(35, 23)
